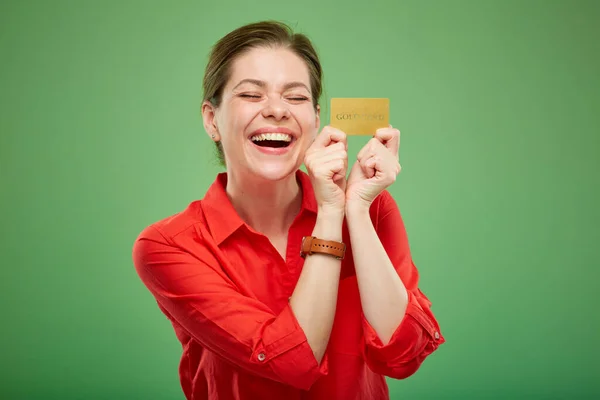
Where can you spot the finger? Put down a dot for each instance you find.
(366, 150)
(314, 156)
(390, 138)
(369, 149)
(336, 168)
(333, 148)
(369, 166)
(323, 162)
(318, 153)
(325, 155)
(330, 135)
(337, 155)
(339, 177)
(384, 134)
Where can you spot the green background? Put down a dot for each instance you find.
(498, 104)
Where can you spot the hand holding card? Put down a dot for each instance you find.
(375, 169)
(377, 162)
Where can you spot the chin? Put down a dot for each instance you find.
(275, 171)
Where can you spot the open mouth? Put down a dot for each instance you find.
(276, 140)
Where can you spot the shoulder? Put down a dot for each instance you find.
(178, 238)
(172, 249)
(194, 219)
(175, 225)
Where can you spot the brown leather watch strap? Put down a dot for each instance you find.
(311, 244)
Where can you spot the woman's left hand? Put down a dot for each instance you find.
(376, 168)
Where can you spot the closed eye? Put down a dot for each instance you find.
(256, 96)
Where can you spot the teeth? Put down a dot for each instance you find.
(284, 137)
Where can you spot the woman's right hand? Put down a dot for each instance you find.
(326, 161)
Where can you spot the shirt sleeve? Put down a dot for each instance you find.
(198, 295)
(418, 334)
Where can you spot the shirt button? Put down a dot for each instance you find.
(261, 357)
(436, 335)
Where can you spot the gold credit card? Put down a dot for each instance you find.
(360, 116)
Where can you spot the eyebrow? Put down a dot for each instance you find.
(262, 84)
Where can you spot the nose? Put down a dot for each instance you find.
(275, 108)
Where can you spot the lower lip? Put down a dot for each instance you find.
(274, 151)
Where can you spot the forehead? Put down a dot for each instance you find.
(275, 66)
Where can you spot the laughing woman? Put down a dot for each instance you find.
(282, 284)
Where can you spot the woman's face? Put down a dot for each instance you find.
(266, 119)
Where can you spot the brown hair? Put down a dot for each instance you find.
(247, 37)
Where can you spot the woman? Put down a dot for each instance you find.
(282, 284)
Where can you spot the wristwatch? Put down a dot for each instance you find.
(311, 245)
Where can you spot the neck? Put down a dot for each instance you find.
(268, 207)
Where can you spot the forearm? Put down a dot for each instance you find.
(383, 296)
(315, 296)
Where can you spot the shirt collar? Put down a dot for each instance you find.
(223, 220)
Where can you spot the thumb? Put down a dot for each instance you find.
(328, 136)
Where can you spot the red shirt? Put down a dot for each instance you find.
(225, 289)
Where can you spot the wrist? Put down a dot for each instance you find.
(329, 224)
(357, 207)
(331, 213)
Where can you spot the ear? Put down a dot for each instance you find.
(318, 117)
(210, 121)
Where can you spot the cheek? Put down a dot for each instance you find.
(241, 115)
(307, 119)
(232, 122)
